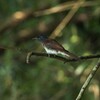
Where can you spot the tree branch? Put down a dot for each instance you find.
(89, 78)
(20, 16)
(66, 19)
(59, 57)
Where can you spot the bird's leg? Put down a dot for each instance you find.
(48, 54)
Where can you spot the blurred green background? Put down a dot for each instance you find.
(47, 78)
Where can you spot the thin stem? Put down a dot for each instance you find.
(60, 57)
(88, 80)
(66, 19)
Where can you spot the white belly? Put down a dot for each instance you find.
(49, 51)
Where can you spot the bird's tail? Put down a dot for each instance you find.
(71, 55)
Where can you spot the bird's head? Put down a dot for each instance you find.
(41, 37)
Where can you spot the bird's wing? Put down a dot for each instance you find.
(53, 44)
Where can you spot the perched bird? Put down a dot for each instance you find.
(51, 46)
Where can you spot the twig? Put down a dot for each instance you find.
(67, 19)
(89, 78)
(59, 57)
(43, 54)
(63, 7)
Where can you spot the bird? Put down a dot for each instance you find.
(51, 46)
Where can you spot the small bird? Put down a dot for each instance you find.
(51, 46)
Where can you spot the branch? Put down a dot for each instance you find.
(89, 78)
(63, 7)
(66, 19)
(59, 57)
(20, 16)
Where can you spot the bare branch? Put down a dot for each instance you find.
(89, 78)
(59, 57)
(43, 54)
(20, 16)
(66, 19)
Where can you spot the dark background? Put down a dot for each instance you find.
(47, 78)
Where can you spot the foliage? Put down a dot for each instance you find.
(46, 78)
